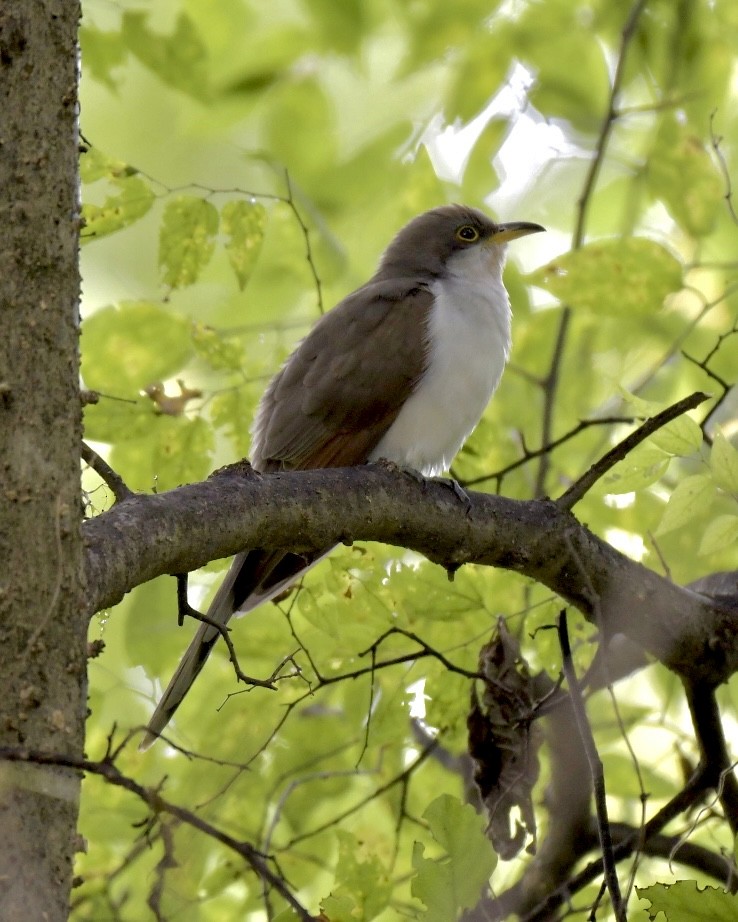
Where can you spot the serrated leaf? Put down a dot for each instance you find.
(118, 211)
(616, 277)
(128, 347)
(681, 437)
(724, 464)
(691, 498)
(722, 532)
(684, 901)
(454, 883)
(243, 224)
(186, 239)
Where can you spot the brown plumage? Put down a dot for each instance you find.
(339, 393)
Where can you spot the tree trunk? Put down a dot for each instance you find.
(42, 631)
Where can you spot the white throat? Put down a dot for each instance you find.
(467, 342)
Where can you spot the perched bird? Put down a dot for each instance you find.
(401, 369)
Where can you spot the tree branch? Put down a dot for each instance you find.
(577, 490)
(596, 770)
(175, 532)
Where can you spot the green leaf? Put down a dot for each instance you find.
(643, 466)
(454, 882)
(691, 498)
(111, 419)
(179, 59)
(681, 437)
(623, 780)
(721, 533)
(243, 223)
(485, 61)
(682, 174)
(101, 53)
(176, 450)
(724, 464)
(617, 277)
(233, 411)
(218, 350)
(94, 165)
(118, 211)
(363, 888)
(685, 902)
(341, 25)
(128, 347)
(186, 239)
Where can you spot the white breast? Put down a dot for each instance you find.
(468, 345)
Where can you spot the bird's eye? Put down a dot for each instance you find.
(467, 233)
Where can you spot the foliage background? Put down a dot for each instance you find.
(248, 162)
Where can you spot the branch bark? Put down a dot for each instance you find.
(175, 532)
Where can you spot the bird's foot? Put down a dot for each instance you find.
(458, 491)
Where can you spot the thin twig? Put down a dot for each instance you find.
(596, 769)
(578, 489)
(531, 453)
(289, 199)
(106, 473)
(550, 383)
(714, 756)
(185, 610)
(690, 794)
(716, 141)
(157, 804)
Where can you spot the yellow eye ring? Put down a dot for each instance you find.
(467, 233)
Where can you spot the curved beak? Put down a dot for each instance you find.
(513, 230)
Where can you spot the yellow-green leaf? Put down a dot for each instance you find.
(691, 498)
(186, 239)
(617, 277)
(682, 174)
(680, 437)
(243, 224)
(128, 347)
(118, 211)
(722, 532)
(643, 466)
(724, 464)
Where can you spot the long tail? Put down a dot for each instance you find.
(254, 577)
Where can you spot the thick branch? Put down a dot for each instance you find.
(178, 531)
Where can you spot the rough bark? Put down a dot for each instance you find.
(42, 636)
(174, 532)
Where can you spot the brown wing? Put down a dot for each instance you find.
(343, 386)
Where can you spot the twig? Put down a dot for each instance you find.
(690, 794)
(153, 799)
(714, 756)
(550, 383)
(185, 610)
(530, 453)
(596, 770)
(106, 473)
(716, 141)
(578, 489)
(289, 199)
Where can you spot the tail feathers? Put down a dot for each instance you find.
(254, 577)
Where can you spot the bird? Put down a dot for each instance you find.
(400, 370)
